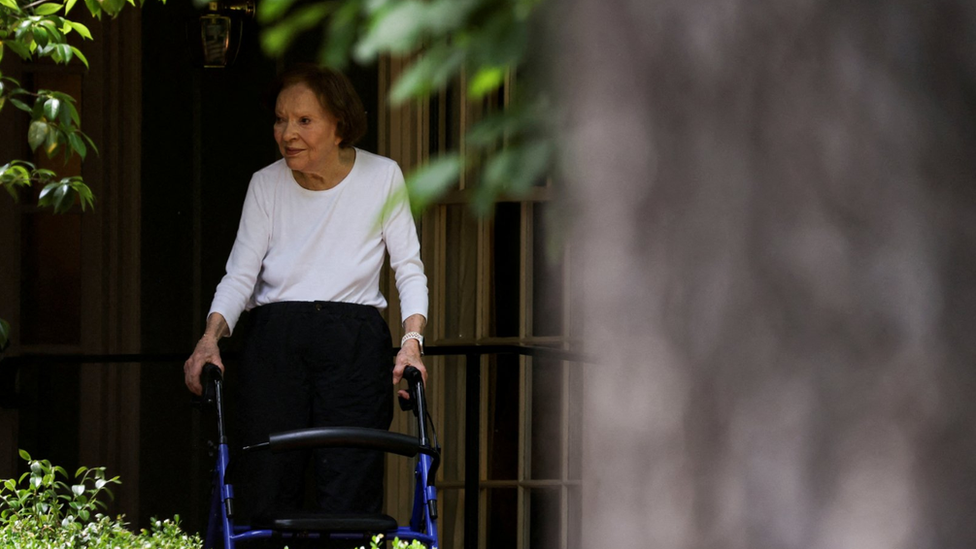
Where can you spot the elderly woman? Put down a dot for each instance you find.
(307, 260)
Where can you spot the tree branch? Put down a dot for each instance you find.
(35, 4)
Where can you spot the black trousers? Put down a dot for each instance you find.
(315, 364)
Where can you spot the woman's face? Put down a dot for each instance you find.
(304, 131)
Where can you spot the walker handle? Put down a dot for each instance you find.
(412, 375)
(208, 376)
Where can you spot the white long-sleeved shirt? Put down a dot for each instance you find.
(294, 244)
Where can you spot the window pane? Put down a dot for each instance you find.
(574, 425)
(506, 270)
(450, 522)
(454, 376)
(503, 417)
(460, 273)
(544, 518)
(502, 523)
(574, 517)
(445, 120)
(547, 278)
(547, 389)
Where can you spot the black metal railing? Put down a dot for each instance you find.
(9, 367)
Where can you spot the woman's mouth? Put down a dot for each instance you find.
(291, 152)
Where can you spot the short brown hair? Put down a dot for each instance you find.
(334, 92)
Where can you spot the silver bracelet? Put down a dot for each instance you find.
(413, 335)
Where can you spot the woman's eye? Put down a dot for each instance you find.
(306, 120)
(279, 120)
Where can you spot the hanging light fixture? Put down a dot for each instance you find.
(215, 37)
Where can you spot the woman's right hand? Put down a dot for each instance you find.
(205, 352)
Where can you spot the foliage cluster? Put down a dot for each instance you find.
(41, 510)
(36, 30)
(485, 40)
(397, 543)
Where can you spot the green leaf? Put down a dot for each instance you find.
(48, 9)
(81, 29)
(40, 36)
(445, 16)
(432, 180)
(94, 8)
(64, 118)
(37, 133)
(80, 470)
(272, 10)
(431, 72)
(68, 5)
(37, 111)
(20, 104)
(90, 142)
(85, 195)
(84, 514)
(499, 41)
(9, 483)
(78, 144)
(53, 140)
(509, 122)
(73, 112)
(341, 35)
(51, 109)
(58, 195)
(277, 39)
(12, 4)
(485, 81)
(396, 30)
(66, 52)
(112, 7)
(19, 48)
(513, 170)
(80, 55)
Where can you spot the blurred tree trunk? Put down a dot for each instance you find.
(775, 205)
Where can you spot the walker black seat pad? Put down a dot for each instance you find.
(311, 522)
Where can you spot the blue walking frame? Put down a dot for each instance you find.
(222, 530)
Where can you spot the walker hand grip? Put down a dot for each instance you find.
(412, 375)
(208, 377)
(210, 372)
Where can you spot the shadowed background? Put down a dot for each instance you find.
(775, 207)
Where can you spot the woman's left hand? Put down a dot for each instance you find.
(409, 355)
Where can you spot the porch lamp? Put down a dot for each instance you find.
(217, 33)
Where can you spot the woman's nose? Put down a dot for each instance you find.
(287, 131)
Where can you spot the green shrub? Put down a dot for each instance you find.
(40, 510)
(377, 543)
